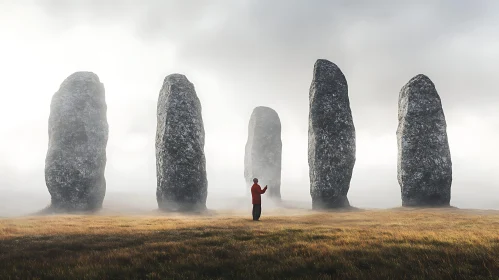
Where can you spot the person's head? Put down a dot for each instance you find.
(255, 180)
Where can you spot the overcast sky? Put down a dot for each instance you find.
(247, 53)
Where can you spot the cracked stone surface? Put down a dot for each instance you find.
(78, 134)
(331, 137)
(263, 150)
(182, 184)
(424, 162)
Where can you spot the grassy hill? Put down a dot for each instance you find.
(285, 244)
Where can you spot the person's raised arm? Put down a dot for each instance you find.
(264, 190)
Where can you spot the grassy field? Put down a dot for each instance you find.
(286, 244)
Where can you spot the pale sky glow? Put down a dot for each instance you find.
(243, 54)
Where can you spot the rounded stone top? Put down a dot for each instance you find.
(420, 81)
(324, 63)
(176, 78)
(83, 76)
(421, 77)
(418, 87)
(326, 70)
(79, 78)
(266, 111)
(418, 97)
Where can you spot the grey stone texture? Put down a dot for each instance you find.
(78, 134)
(331, 137)
(263, 152)
(182, 184)
(424, 160)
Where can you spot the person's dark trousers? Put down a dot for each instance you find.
(257, 211)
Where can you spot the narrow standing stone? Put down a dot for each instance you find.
(78, 134)
(331, 137)
(424, 161)
(180, 161)
(263, 153)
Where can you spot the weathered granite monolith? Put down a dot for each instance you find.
(78, 133)
(331, 137)
(263, 151)
(182, 184)
(424, 161)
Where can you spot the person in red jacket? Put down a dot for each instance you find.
(256, 192)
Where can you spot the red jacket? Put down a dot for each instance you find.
(256, 192)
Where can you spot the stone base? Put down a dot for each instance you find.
(435, 200)
(424, 204)
(182, 207)
(52, 209)
(69, 207)
(332, 203)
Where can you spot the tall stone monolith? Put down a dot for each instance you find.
(78, 134)
(331, 137)
(263, 151)
(180, 160)
(424, 161)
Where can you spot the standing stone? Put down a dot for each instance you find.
(180, 161)
(331, 137)
(263, 154)
(424, 161)
(78, 134)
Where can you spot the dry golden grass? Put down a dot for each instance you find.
(382, 244)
